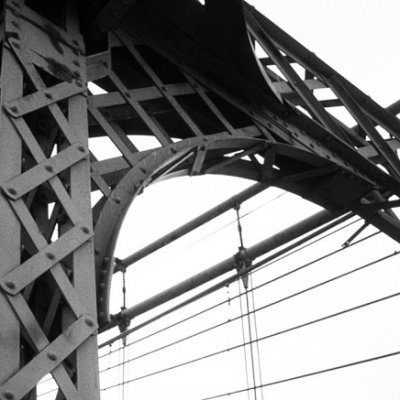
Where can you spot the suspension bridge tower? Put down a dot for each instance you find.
(187, 75)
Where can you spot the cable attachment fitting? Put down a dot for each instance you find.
(123, 322)
(119, 266)
(242, 263)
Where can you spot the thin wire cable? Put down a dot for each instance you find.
(284, 331)
(309, 374)
(253, 312)
(212, 289)
(228, 224)
(246, 362)
(309, 244)
(253, 368)
(224, 283)
(124, 363)
(242, 250)
(279, 301)
(256, 333)
(272, 335)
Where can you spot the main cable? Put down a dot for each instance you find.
(279, 301)
(220, 285)
(272, 335)
(309, 374)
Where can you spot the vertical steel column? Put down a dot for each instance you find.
(83, 258)
(47, 283)
(10, 166)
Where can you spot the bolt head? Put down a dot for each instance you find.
(8, 395)
(52, 356)
(10, 285)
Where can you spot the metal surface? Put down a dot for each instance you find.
(191, 225)
(225, 266)
(187, 76)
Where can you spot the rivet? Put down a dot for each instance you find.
(89, 322)
(16, 45)
(173, 150)
(50, 256)
(8, 395)
(82, 149)
(10, 285)
(117, 200)
(85, 229)
(14, 109)
(144, 170)
(49, 96)
(127, 94)
(75, 42)
(49, 168)
(96, 252)
(12, 191)
(15, 23)
(76, 63)
(51, 356)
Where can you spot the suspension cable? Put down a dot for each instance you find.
(309, 374)
(210, 290)
(275, 334)
(315, 321)
(245, 263)
(221, 228)
(256, 333)
(268, 305)
(232, 279)
(312, 242)
(246, 362)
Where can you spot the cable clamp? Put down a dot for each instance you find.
(119, 266)
(242, 262)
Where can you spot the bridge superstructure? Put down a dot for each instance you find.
(189, 76)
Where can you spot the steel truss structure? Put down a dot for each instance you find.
(189, 76)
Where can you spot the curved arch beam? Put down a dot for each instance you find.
(302, 173)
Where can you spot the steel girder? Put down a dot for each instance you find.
(188, 76)
(196, 69)
(47, 299)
